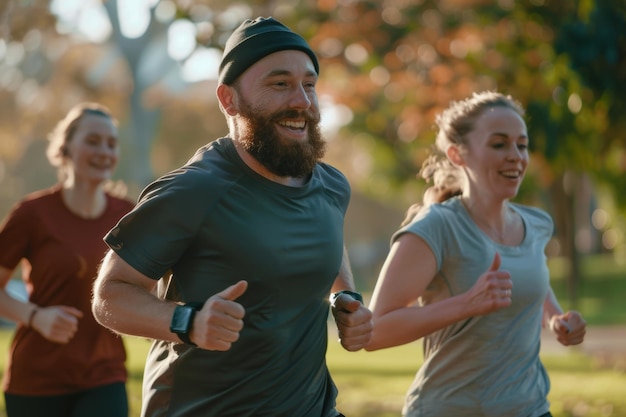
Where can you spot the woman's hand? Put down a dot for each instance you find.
(492, 291)
(56, 323)
(569, 328)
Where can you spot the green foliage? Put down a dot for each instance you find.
(395, 64)
(595, 41)
(564, 60)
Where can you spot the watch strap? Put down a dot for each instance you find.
(182, 321)
(353, 294)
(184, 337)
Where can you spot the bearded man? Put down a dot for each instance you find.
(229, 261)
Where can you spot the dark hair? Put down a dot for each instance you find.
(454, 123)
(62, 133)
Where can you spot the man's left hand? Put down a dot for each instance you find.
(354, 322)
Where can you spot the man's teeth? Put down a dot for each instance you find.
(293, 125)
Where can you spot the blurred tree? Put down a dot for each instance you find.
(398, 63)
(387, 67)
(55, 53)
(582, 128)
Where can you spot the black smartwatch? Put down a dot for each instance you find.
(182, 321)
(353, 294)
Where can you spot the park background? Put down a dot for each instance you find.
(387, 68)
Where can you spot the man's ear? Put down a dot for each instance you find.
(228, 99)
(454, 155)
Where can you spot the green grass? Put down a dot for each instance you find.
(373, 384)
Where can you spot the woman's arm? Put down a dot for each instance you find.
(56, 323)
(406, 273)
(570, 327)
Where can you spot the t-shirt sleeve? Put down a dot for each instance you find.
(336, 184)
(154, 235)
(15, 235)
(427, 224)
(541, 223)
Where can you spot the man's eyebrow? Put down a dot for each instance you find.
(283, 72)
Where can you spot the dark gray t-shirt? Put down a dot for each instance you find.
(212, 223)
(488, 365)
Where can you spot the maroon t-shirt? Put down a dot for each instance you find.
(60, 253)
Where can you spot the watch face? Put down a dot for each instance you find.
(182, 319)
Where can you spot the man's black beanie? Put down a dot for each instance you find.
(255, 39)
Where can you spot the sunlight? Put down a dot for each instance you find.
(334, 116)
(134, 17)
(181, 39)
(203, 64)
(84, 17)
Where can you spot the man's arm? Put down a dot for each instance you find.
(124, 301)
(354, 320)
(345, 279)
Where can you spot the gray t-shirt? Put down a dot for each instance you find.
(486, 365)
(212, 223)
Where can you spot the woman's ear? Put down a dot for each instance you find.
(228, 99)
(454, 155)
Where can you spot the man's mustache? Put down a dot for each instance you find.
(308, 116)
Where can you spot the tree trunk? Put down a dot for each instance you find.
(564, 196)
(142, 121)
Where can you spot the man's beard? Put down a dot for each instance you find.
(282, 157)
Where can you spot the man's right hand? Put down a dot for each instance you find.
(217, 325)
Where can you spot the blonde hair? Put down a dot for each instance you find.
(454, 123)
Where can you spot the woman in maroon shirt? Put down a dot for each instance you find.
(62, 362)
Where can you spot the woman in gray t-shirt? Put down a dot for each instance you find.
(467, 272)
